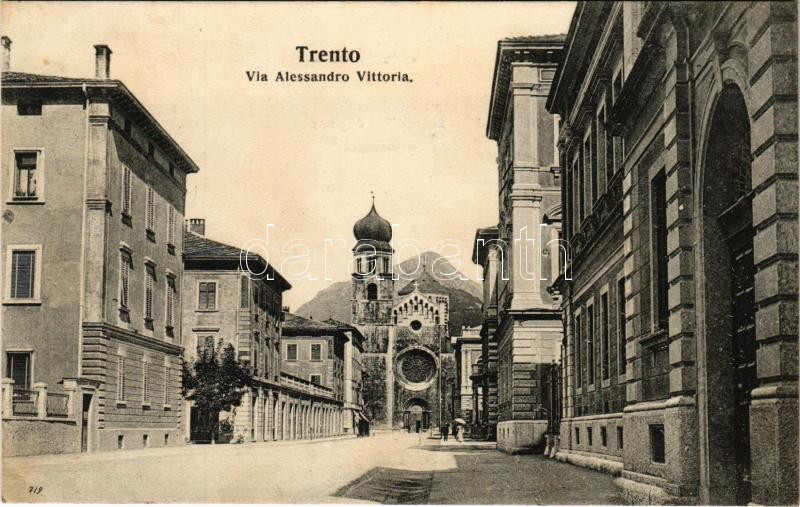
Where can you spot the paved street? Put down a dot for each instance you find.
(397, 468)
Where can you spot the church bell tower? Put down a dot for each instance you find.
(372, 302)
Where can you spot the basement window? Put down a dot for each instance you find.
(577, 436)
(657, 443)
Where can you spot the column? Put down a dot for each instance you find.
(774, 406)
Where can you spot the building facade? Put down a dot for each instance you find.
(486, 253)
(244, 309)
(353, 419)
(679, 142)
(93, 198)
(468, 386)
(407, 353)
(529, 331)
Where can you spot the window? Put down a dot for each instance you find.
(18, 369)
(590, 344)
(578, 344)
(126, 190)
(150, 217)
(125, 267)
(589, 437)
(618, 147)
(620, 437)
(603, 165)
(581, 195)
(120, 442)
(23, 276)
(244, 296)
(588, 173)
(657, 443)
(291, 352)
(372, 292)
(205, 345)
(29, 108)
(603, 436)
(170, 225)
(26, 174)
(316, 352)
(416, 325)
(207, 296)
(167, 381)
(145, 382)
(578, 436)
(658, 201)
(121, 379)
(316, 379)
(621, 322)
(256, 349)
(169, 314)
(604, 341)
(149, 283)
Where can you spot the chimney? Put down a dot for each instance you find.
(197, 226)
(6, 42)
(102, 61)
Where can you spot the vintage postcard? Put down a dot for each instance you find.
(399, 253)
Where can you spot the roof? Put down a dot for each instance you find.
(296, 325)
(553, 37)
(425, 283)
(118, 92)
(199, 248)
(346, 327)
(532, 48)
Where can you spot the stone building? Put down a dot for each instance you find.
(528, 333)
(467, 393)
(222, 302)
(486, 253)
(353, 377)
(407, 354)
(679, 142)
(315, 351)
(93, 198)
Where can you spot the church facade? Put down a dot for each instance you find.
(407, 354)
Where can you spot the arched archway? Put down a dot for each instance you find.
(416, 415)
(726, 314)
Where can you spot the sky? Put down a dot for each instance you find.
(305, 157)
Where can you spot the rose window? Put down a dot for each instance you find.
(416, 366)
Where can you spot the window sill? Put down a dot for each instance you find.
(124, 314)
(607, 382)
(167, 407)
(122, 404)
(127, 219)
(22, 302)
(151, 235)
(25, 201)
(590, 388)
(206, 311)
(145, 406)
(170, 249)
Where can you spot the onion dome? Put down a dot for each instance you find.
(373, 227)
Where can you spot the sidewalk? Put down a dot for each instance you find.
(133, 454)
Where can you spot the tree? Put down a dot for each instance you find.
(215, 382)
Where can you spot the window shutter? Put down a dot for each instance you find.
(146, 382)
(125, 278)
(150, 212)
(167, 380)
(120, 379)
(23, 264)
(170, 225)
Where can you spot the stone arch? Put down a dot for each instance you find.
(725, 327)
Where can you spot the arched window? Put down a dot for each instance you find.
(372, 292)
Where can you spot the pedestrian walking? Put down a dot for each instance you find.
(445, 430)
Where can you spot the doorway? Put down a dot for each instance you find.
(86, 412)
(729, 299)
(416, 416)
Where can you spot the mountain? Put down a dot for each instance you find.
(465, 295)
